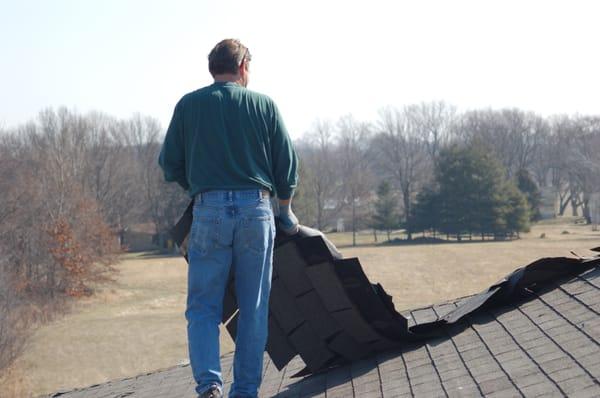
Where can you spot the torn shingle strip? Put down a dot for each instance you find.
(308, 262)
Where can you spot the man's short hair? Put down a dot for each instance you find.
(227, 56)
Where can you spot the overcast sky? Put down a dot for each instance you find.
(316, 59)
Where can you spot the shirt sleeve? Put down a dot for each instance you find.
(285, 159)
(172, 154)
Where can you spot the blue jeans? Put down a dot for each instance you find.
(229, 229)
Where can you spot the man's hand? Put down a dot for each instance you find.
(288, 222)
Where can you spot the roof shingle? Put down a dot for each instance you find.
(549, 345)
(536, 332)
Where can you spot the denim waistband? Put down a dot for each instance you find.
(224, 195)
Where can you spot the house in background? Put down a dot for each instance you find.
(143, 237)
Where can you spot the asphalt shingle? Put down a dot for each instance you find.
(546, 346)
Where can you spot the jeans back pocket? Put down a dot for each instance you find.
(205, 230)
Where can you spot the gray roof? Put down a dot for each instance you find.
(549, 345)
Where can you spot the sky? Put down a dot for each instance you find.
(316, 59)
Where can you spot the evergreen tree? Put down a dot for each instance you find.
(518, 213)
(470, 181)
(386, 216)
(527, 185)
(425, 212)
(473, 196)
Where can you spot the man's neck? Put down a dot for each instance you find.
(228, 77)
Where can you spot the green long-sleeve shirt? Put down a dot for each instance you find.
(225, 136)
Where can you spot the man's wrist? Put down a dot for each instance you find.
(285, 193)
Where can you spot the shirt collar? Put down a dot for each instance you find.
(230, 84)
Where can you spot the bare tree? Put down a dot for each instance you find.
(109, 170)
(513, 135)
(357, 181)
(572, 158)
(584, 163)
(434, 122)
(542, 161)
(403, 155)
(321, 180)
(160, 201)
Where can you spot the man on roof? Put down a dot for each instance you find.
(229, 148)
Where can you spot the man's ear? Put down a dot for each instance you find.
(244, 66)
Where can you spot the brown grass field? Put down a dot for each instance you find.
(137, 325)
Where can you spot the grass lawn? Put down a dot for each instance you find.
(137, 325)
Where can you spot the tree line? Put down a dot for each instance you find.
(410, 148)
